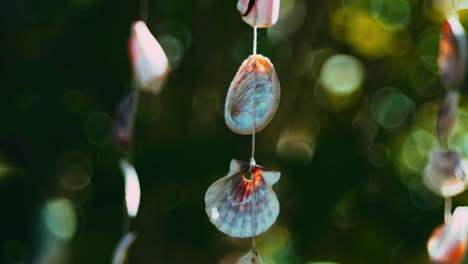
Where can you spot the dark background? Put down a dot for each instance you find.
(351, 194)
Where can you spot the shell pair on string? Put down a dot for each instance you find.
(447, 244)
(132, 203)
(238, 209)
(444, 173)
(452, 62)
(237, 206)
(150, 67)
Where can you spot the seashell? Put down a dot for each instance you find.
(231, 202)
(447, 117)
(259, 13)
(444, 173)
(447, 244)
(251, 258)
(132, 188)
(255, 74)
(150, 63)
(123, 122)
(121, 251)
(452, 53)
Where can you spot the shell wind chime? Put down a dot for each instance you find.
(150, 66)
(445, 173)
(238, 206)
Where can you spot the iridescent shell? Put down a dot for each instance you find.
(150, 63)
(447, 117)
(255, 74)
(444, 173)
(447, 243)
(251, 258)
(230, 201)
(452, 54)
(260, 13)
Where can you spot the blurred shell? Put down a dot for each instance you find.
(452, 54)
(447, 243)
(444, 174)
(123, 122)
(260, 13)
(251, 258)
(121, 251)
(256, 72)
(150, 63)
(447, 117)
(132, 188)
(230, 201)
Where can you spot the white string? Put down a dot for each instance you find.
(455, 7)
(252, 159)
(254, 95)
(255, 41)
(254, 202)
(448, 210)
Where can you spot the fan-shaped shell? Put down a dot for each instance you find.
(452, 58)
(444, 173)
(231, 201)
(255, 74)
(447, 117)
(447, 243)
(259, 13)
(150, 63)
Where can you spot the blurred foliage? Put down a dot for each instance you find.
(350, 139)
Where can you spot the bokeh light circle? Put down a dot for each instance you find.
(60, 218)
(390, 107)
(74, 171)
(342, 75)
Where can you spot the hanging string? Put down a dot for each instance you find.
(136, 99)
(455, 7)
(144, 10)
(255, 40)
(252, 159)
(254, 95)
(448, 210)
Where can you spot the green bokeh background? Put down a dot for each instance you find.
(65, 67)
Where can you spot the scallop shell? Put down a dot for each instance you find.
(452, 54)
(444, 173)
(447, 117)
(251, 258)
(150, 63)
(230, 201)
(447, 243)
(255, 74)
(259, 13)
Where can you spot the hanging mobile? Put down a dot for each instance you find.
(444, 174)
(150, 67)
(237, 206)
